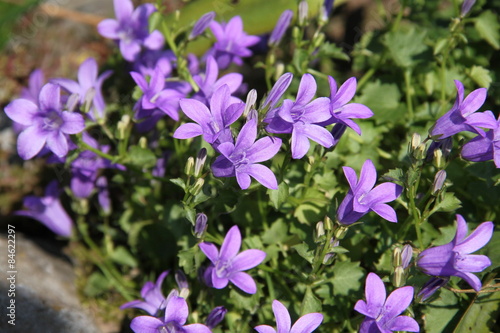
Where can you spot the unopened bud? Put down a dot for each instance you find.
(188, 169)
(279, 70)
(72, 102)
(398, 278)
(122, 126)
(330, 256)
(143, 142)
(200, 162)
(295, 33)
(396, 257)
(341, 232)
(328, 223)
(320, 231)
(250, 102)
(309, 164)
(416, 140)
(406, 255)
(430, 287)
(438, 159)
(439, 179)
(181, 280)
(319, 40)
(89, 99)
(197, 186)
(215, 317)
(303, 9)
(200, 225)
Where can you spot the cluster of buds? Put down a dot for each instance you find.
(401, 258)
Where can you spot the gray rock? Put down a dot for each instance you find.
(45, 295)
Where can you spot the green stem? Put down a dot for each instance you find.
(409, 101)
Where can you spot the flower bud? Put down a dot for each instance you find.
(188, 169)
(416, 140)
(341, 232)
(280, 28)
(318, 40)
(398, 278)
(200, 225)
(202, 23)
(250, 102)
(438, 160)
(200, 162)
(406, 255)
(197, 186)
(320, 231)
(330, 256)
(122, 126)
(181, 280)
(72, 102)
(143, 142)
(396, 257)
(279, 70)
(430, 287)
(438, 183)
(303, 9)
(215, 317)
(466, 6)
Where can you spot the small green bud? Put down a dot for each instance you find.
(341, 232)
(279, 70)
(188, 169)
(200, 162)
(438, 160)
(320, 231)
(396, 257)
(398, 278)
(143, 142)
(197, 186)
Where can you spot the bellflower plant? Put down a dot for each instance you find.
(131, 29)
(300, 118)
(383, 314)
(176, 313)
(46, 124)
(228, 265)
(152, 295)
(305, 324)
(232, 42)
(462, 116)
(455, 258)
(49, 211)
(241, 159)
(88, 87)
(363, 197)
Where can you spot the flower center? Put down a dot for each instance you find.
(296, 113)
(223, 268)
(52, 121)
(171, 327)
(239, 158)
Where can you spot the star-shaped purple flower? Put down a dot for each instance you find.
(305, 324)
(301, 118)
(228, 265)
(383, 315)
(35, 84)
(463, 116)
(152, 295)
(232, 42)
(49, 211)
(46, 123)
(89, 83)
(455, 258)
(176, 314)
(484, 148)
(362, 197)
(209, 82)
(131, 29)
(241, 159)
(212, 123)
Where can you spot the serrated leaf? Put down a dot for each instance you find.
(488, 28)
(303, 251)
(279, 196)
(383, 99)
(449, 203)
(405, 46)
(394, 175)
(481, 76)
(310, 303)
(141, 157)
(346, 277)
(478, 316)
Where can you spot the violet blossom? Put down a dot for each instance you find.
(241, 159)
(49, 211)
(131, 29)
(455, 258)
(176, 314)
(484, 148)
(301, 118)
(363, 197)
(212, 123)
(431, 286)
(215, 316)
(383, 315)
(152, 295)
(278, 90)
(280, 28)
(305, 324)
(152, 60)
(228, 265)
(463, 116)
(88, 87)
(209, 82)
(232, 42)
(46, 124)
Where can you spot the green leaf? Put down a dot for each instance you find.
(440, 313)
(478, 316)
(405, 46)
(449, 203)
(122, 256)
(97, 284)
(277, 233)
(141, 157)
(383, 99)
(481, 76)
(303, 251)
(310, 303)
(179, 182)
(394, 175)
(488, 28)
(279, 196)
(346, 277)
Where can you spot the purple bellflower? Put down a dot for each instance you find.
(35, 84)
(484, 148)
(212, 123)
(176, 313)
(49, 211)
(383, 315)
(152, 60)
(228, 265)
(463, 116)
(209, 83)
(362, 197)
(305, 324)
(152, 295)
(454, 258)
(216, 316)
(431, 286)
(131, 29)
(300, 118)
(232, 42)
(280, 28)
(241, 159)
(89, 85)
(278, 90)
(202, 24)
(340, 111)
(46, 124)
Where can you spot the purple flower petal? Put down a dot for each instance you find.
(145, 324)
(307, 323)
(109, 28)
(477, 239)
(473, 102)
(385, 211)
(57, 143)
(196, 328)
(231, 244)
(244, 282)
(283, 320)
(22, 111)
(154, 41)
(248, 259)
(187, 131)
(210, 251)
(471, 263)
(307, 89)
(404, 323)
(73, 123)
(30, 142)
(176, 310)
(50, 97)
(264, 329)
